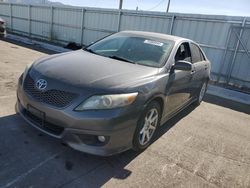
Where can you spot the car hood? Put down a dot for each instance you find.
(1, 20)
(81, 68)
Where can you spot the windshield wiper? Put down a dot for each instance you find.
(89, 50)
(120, 58)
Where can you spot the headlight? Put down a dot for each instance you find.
(107, 101)
(26, 71)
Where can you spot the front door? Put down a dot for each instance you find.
(178, 91)
(200, 66)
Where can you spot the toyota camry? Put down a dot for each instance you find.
(114, 94)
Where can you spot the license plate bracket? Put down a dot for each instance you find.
(38, 113)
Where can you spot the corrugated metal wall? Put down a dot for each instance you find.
(216, 34)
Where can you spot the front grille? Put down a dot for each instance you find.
(41, 123)
(52, 97)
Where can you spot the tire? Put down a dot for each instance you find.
(201, 93)
(145, 131)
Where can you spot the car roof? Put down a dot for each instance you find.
(156, 35)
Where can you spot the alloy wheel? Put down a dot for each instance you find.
(149, 127)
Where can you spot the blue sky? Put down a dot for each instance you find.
(222, 7)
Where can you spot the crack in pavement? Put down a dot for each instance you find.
(185, 169)
(8, 96)
(22, 176)
(218, 155)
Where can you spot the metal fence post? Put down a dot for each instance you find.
(82, 25)
(243, 45)
(168, 6)
(231, 66)
(11, 21)
(29, 19)
(51, 23)
(222, 62)
(119, 20)
(172, 24)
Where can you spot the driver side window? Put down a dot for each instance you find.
(183, 53)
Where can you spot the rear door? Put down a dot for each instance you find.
(199, 67)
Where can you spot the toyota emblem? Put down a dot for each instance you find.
(41, 84)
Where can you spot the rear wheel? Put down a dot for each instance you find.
(147, 126)
(201, 94)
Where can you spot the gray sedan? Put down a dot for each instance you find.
(114, 94)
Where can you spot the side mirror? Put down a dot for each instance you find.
(183, 65)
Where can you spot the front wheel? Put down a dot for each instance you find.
(147, 126)
(202, 92)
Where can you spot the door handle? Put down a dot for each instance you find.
(192, 71)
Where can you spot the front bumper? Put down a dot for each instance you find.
(80, 129)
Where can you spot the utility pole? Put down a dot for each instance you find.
(120, 5)
(168, 6)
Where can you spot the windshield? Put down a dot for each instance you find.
(133, 49)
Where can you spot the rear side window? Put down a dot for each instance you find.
(202, 55)
(196, 53)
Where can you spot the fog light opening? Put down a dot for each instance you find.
(101, 138)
